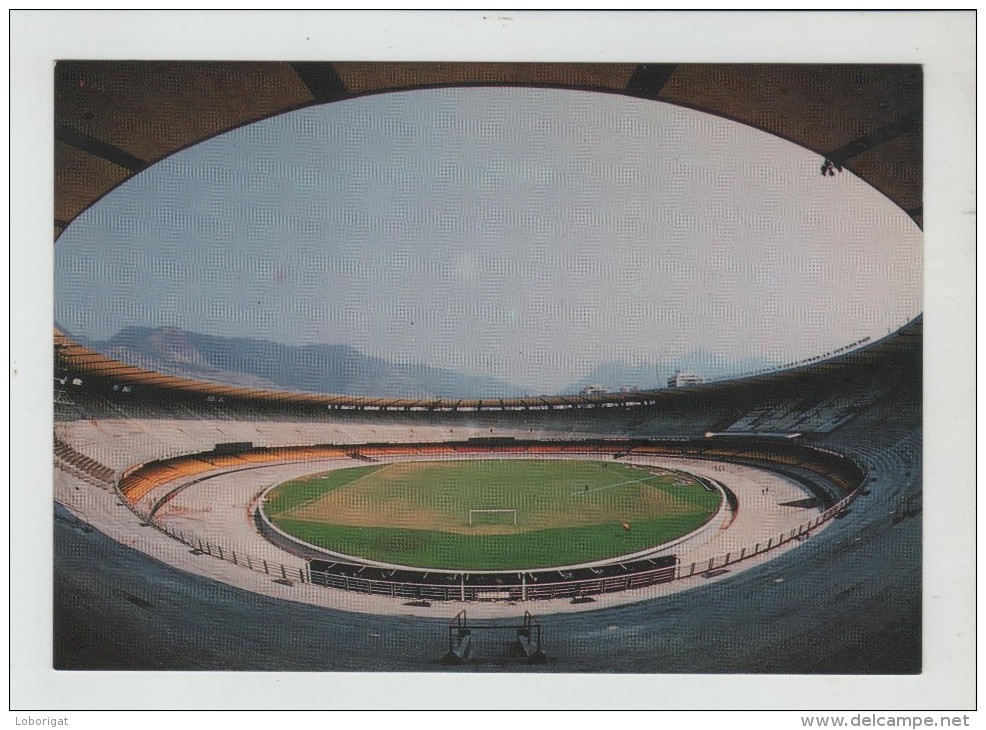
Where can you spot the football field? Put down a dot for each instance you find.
(491, 514)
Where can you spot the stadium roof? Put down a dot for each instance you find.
(114, 119)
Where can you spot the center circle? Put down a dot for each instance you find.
(491, 514)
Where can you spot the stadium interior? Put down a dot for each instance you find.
(849, 425)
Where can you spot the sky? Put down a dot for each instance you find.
(524, 234)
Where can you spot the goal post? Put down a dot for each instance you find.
(474, 513)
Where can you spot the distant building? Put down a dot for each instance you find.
(680, 379)
(593, 390)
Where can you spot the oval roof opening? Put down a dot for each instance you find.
(486, 242)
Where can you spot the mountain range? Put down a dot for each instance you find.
(310, 368)
(616, 374)
(337, 368)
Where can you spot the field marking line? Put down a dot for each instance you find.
(307, 502)
(618, 484)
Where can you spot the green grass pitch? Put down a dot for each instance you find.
(417, 513)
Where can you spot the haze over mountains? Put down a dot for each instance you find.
(616, 374)
(311, 368)
(344, 369)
